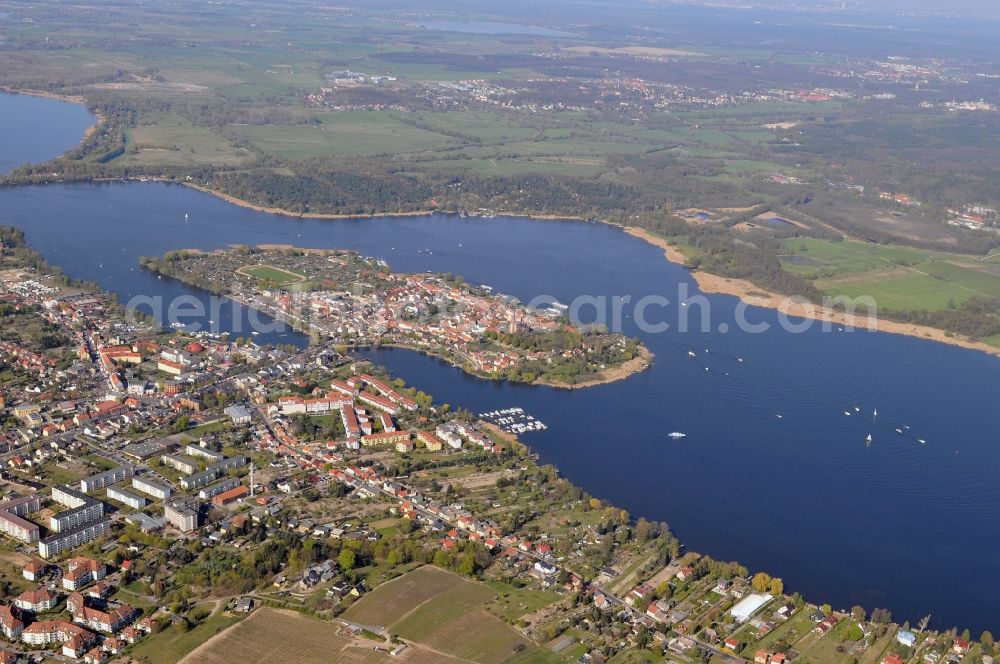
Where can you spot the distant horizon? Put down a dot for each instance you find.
(958, 7)
(971, 8)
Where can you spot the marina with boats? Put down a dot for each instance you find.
(513, 420)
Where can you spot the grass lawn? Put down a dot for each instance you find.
(874, 654)
(100, 461)
(133, 599)
(387, 527)
(790, 631)
(516, 602)
(59, 475)
(209, 427)
(634, 657)
(831, 647)
(539, 656)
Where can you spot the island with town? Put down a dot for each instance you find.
(347, 299)
(170, 496)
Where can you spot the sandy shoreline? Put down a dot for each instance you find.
(758, 297)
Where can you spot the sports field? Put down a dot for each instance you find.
(277, 275)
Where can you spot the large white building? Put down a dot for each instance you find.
(212, 473)
(82, 509)
(239, 414)
(106, 479)
(182, 514)
(748, 606)
(180, 464)
(70, 539)
(126, 497)
(12, 523)
(151, 488)
(221, 486)
(204, 452)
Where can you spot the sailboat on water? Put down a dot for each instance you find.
(869, 439)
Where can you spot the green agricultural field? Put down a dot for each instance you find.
(446, 612)
(175, 142)
(584, 166)
(898, 289)
(823, 258)
(487, 127)
(279, 635)
(754, 167)
(173, 643)
(342, 133)
(415, 590)
(897, 277)
(977, 279)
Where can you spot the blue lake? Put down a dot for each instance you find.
(36, 129)
(896, 524)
